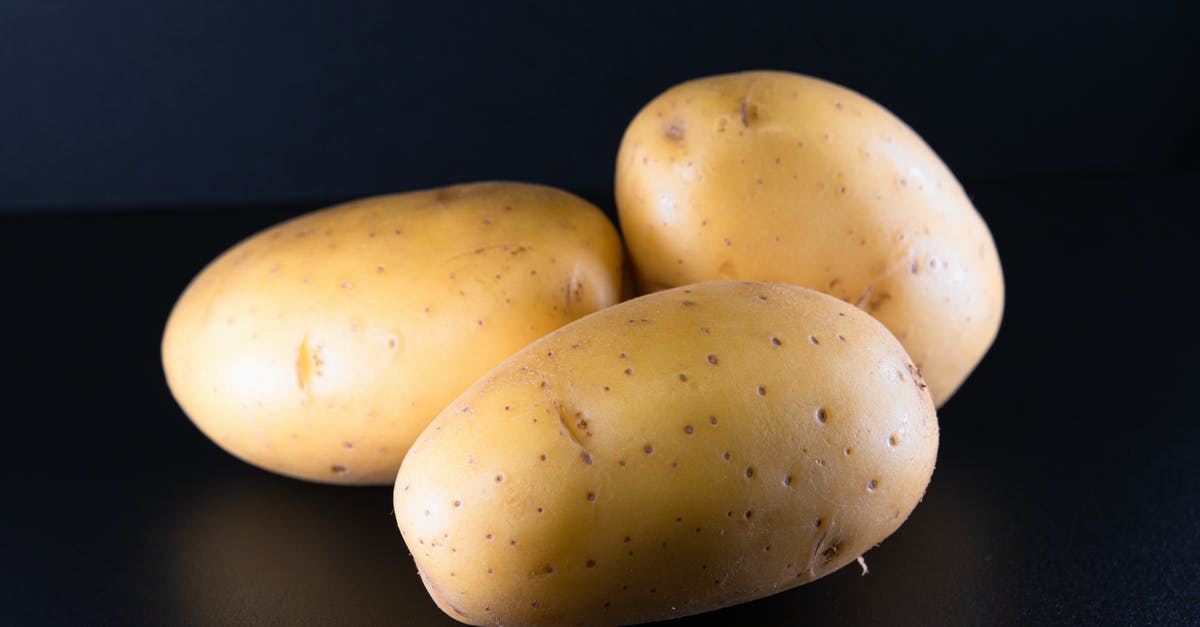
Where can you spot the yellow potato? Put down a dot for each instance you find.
(771, 176)
(321, 347)
(683, 451)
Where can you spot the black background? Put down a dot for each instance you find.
(139, 139)
(129, 103)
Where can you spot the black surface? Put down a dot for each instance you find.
(135, 103)
(1067, 489)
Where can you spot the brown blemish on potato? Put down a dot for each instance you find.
(916, 375)
(831, 552)
(308, 365)
(447, 194)
(762, 390)
(748, 112)
(822, 415)
(338, 469)
(674, 131)
(712, 359)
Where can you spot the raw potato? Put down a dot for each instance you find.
(321, 347)
(680, 452)
(771, 176)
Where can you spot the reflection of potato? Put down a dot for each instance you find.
(683, 451)
(271, 552)
(769, 176)
(321, 347)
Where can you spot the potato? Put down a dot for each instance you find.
(771, 176)
(321, 347)
(679, 452)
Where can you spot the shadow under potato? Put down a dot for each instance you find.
(255, 549)
(264, 550)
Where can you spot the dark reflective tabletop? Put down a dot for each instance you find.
(1067, 489)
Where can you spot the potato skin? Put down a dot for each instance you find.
(772, 176)
(321, 347)
(680, 452)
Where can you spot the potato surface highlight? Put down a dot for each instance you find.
(321, 347)
(680, 452)
(771, 176)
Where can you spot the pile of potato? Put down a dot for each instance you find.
(815, 283)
